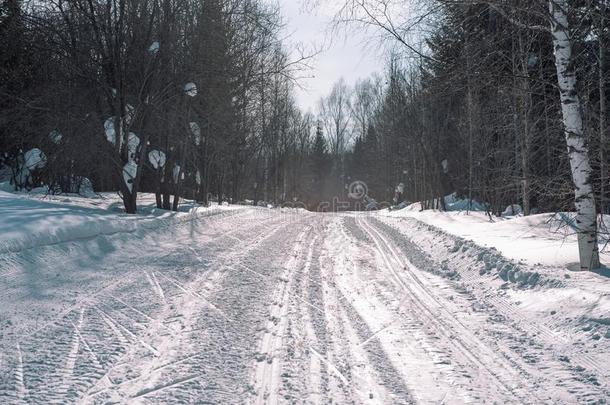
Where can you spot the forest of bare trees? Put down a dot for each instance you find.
(183, 98)
(501, 102)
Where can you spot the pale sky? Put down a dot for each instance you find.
(350, 57)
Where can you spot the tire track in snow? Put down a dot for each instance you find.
(154, 283)
(157, 372)
(331, 366)
(98, 336)
(177, 390)
(408, 348)
(96, 361)
(452, 330)
(266, 375)
(300, 372)
(378, 378)
(67, 372)
(385, 250)
(19, 382)
(117, 327)
(195, 294)
(68, 260)
(520, 339)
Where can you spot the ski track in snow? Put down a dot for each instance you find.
(270, 308)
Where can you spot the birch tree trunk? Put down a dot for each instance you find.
(586, 215)
(603, 146)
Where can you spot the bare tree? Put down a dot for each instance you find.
(335, 114)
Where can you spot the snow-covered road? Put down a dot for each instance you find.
(258, 306)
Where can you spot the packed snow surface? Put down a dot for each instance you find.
(238, 304)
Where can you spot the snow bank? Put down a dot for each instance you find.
(567, 307)
(27, 221)
(538, 239)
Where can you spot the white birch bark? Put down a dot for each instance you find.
(603, 142)
(586, 216)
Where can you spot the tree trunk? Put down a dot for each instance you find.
(603, 167)
(470, 146)
(165, 190)
(470, 122)
(129, 199)
(158, 199)
(578, 152)
(176, 203)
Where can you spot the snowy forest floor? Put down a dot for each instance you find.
(252, 305)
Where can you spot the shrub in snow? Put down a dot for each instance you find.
(190, 89)
(74, 185)
(157, 158)
(31, 160)
(40, 190)
(5, 173)
(512, 210)
(401, 206)
(7, 186)
(22, 177)
(55, 136)
(154, 47)
(34, 159)
(454, 203)
(85, 187)
(372, 205)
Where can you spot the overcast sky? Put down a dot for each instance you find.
(347, 57)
